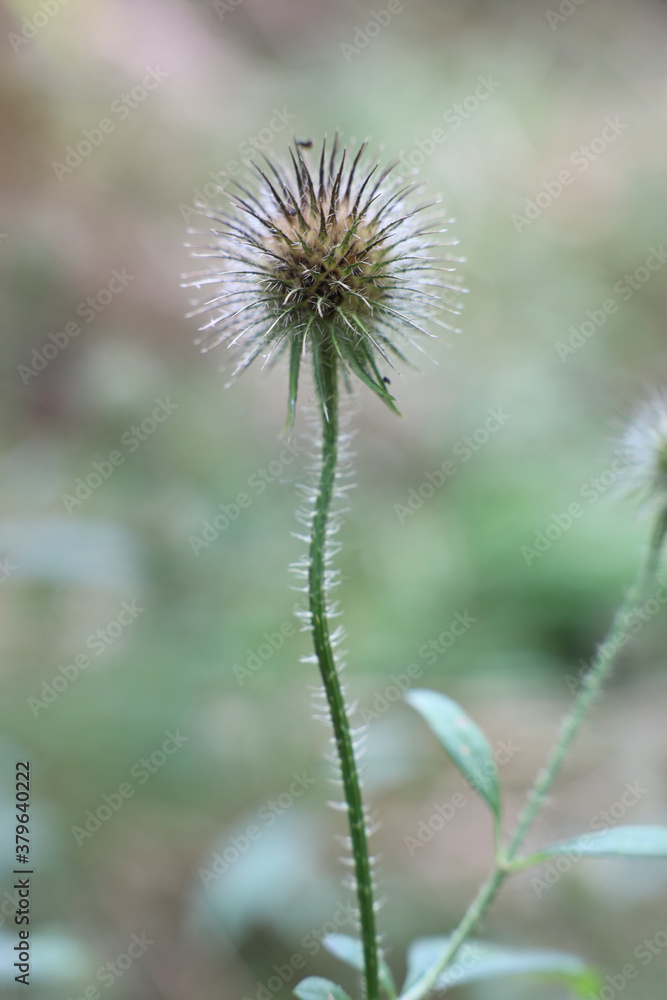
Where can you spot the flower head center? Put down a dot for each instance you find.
(326, 261)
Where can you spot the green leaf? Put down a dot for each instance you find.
(296, 350)
(359, 367)
(350, 950)
(617, 842)
(317, 375)
(463, 740)
(476, 960)
(315, 988)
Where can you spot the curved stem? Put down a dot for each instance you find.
(598, 673)
(327, 384)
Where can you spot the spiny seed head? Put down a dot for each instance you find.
(643, 449)
(326, 258)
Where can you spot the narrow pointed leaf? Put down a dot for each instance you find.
(463, 740)
(350, 950)
(379, 387)
(477, 960)
(318, 377)
(617, 842)
(294, 366)
(315, 988)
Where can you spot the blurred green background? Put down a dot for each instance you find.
(522, 91)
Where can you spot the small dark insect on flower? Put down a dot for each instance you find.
(335, 256)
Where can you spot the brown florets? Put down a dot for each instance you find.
(325, 270)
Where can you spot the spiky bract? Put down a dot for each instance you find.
(326, 257)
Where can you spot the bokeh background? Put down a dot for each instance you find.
(518, 89)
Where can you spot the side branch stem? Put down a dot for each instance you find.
(506, 862)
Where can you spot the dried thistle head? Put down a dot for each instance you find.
(643, 449)
(332, 257)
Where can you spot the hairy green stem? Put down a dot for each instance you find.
(598, 673)
(327, 378)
